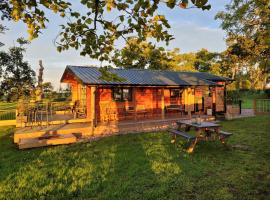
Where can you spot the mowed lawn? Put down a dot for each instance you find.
(7, 110)
(141, 166)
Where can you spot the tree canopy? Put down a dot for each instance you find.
(247, 23)
(17, 78)
(105, 21)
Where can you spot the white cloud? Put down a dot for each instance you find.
(192, 37)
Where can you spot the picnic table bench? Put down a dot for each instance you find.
(205, 131)
(182, 134)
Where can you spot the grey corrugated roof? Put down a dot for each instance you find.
(91, 75)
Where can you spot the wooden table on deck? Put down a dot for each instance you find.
(204, 131)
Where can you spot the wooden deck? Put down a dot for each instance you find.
(47, 141)
(86, 130)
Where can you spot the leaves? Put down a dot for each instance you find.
(18, 77)
(248, 29)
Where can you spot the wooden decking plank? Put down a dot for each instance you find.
(37, 142)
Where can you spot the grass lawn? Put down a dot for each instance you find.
(247, 99)
(7, 106)
(141, 166)
(7, 111)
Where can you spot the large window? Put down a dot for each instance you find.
(122, 94)
(174, 93)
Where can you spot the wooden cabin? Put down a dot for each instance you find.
(144, 93)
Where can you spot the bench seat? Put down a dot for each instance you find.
(182, 134)
(225, 134)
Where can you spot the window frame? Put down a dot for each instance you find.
(175, 96)
(121, 91)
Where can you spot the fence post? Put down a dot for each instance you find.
(255, 106)
(240, 107)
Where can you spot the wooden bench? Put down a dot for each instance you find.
(225, 134)
(182, 134)
(188, 137)
(174, 107)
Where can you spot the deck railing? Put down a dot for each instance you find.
(44, 112)
(262, 106)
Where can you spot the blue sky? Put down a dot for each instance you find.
(193, 29)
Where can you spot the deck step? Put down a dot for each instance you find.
(46, 141)
(28, 133)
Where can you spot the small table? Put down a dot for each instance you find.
(204, 131)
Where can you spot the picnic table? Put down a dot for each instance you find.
(205, 131)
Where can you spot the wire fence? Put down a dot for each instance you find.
(262, 106)
(8, 114)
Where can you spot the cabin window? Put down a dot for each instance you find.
(122, 94)
(175, 93)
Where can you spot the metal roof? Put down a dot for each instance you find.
(91, 75)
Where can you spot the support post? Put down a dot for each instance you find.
(225, 97)
(255, 106)
(162, 104)
(93, 108)
(134, 103)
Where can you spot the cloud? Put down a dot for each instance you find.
(192, 37)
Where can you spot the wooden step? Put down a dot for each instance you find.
(27, 132)
(46, 141)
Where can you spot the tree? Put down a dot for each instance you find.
(248, 28)
(141, 55)
(18, 77)
(185, 62)
(205, 60)
(96, 31)
(47, 89)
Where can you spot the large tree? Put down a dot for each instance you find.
(104, 22)
(205, 61)
(17, 76)
(247, 23)
(141, 55)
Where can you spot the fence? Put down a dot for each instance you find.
(262, 106)
(7, 114)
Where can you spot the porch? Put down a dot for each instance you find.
(87, 131)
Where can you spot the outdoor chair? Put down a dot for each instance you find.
(78, 110)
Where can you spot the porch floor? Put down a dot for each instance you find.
(85, 129)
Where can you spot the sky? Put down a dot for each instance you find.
(193, 29)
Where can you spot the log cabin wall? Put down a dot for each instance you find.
(220, 95)
(106, 108)
(149, 98)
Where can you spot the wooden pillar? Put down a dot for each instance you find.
(162, 104)
(189, 102)
(134, 103)
(225, 97)
(88, 102)
(93, 107)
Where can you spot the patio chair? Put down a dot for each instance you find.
(78, 110)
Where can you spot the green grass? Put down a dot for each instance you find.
(7, 111)
(141, 166)
(248, 98)
(7, 106)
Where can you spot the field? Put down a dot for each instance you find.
(248, 97)
(141, 166)
(7, 111)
